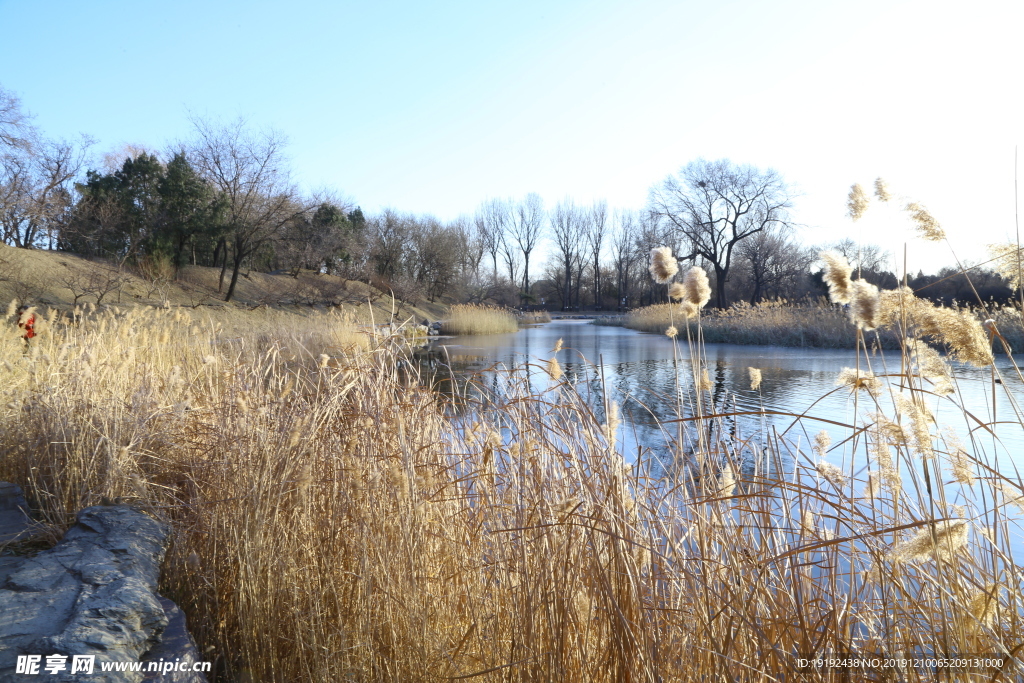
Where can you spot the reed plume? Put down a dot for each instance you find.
(555, 369)
(864, 305)
(726, 481)
(676, 291)
(698, 289)
(960, 464)
(920, 419)
(831, 473)
(663, 266)
(1011, 495)
(1009, 262)
(26, 314)
(755, 378)
(882, 190)
(939, 539)
(857, 202)
(612, 422)
(927, 226)
(671, 332)
(857, 380)
(957, 328)
(983, 607)
(837, 277)
(885, 433)
(807, 521)
(930, 365)
(822, 440)
(872, 487)
(893, 304)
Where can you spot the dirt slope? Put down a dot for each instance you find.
(62, 280)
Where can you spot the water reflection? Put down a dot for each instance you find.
(645, 374)
(650, 378)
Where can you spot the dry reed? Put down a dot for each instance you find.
(478, 319)
(333, 521)
(663, 265)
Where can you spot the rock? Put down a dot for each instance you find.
(94, 593)
(14, 520)
(176, 645)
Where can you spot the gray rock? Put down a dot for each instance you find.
(94, 593)
(176, 645)
(14, 520)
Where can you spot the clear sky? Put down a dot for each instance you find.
(433, 107)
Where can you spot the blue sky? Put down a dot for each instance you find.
(434, 107)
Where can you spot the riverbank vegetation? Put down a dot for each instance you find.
(478, 319)
(817, 324)
(322, 501)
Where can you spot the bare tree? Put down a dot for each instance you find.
(36, 178)
(249, 169)
(714, 205)
(568, 226)
(596, 229)
(774, 264)
(435, 256)
(624, 253)
(389, 242)
(36, 190)
(502, 216)
(650, 233)
(490, 227)
(525, 229)
(15, 131)
(471, 249)
(97, 281)
(863, 257)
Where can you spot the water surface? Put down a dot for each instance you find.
(641, 372)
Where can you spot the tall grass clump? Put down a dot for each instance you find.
(478, 319)
(817, 324)
(776, 323)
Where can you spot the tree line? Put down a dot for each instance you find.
(225, 198)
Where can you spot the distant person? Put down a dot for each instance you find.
(27, 322)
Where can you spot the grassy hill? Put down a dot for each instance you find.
(63, 281)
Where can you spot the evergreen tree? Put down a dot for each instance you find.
(192, 212)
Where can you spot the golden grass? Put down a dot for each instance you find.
(43, 277)
(776, 323)
(332, 523)
(780, 323)
(478, 319)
